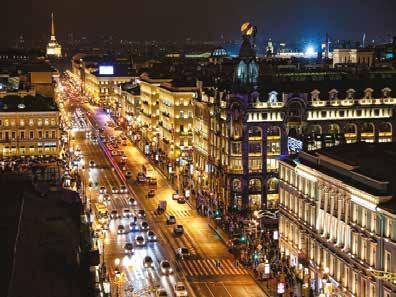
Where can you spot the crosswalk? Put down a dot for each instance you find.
(206, 267)
(182, 213)
(179, 214)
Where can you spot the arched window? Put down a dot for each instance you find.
(272, 185)
(236, 185)
(255, 184)
(334, 129)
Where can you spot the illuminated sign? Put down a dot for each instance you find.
(294, 145)
(106, 70)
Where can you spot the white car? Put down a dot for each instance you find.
(180, 290)
(182, 252)
(102, 190)
(92, 163)
(114, 190)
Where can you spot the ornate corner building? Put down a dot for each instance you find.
(241, 130)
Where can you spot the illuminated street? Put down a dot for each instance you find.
(199, 269)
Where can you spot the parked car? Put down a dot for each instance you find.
(180, 290)
(178, 230)
(182, 253)
(151, 193)
(171, 220)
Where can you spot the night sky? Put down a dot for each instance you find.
(283, 20)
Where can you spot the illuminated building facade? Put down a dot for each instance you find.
(54, 49)
(29, 126)
(337, 216)
(257, 119)
(176, 120)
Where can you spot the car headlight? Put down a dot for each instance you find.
(170, 270)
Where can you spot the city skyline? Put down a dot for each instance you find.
(283, 20)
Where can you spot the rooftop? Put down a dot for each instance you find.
(41, 241)
(14, 103)
(365, 166)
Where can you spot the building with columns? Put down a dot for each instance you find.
(337, 216)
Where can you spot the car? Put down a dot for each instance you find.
(92, 163)
(178, 230)
(139, 240)
(148, 262)
(128, 247)
(123, 189)
(152, 181)
(181, 199)
(151, 193)
(180, 290)
(106, 197)
(121, 229)
(141, 213)
(182, 252)
(165, 267)
(141, 178)
(102, 190)
(161, 293)
(126, 213)
(175, 196)
(170, 220)
(144, 226)
(134, 227)
(114, 214)
(132, 202)
(128, 174)
(114, 190)
(114, 153)
(151, 236)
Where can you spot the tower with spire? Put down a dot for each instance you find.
(54, 49)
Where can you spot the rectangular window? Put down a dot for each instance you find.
(22, 135)
(46, 134)
(13, 135)
(53, 134)
(40, 134)
(387, 262)
(31, 134)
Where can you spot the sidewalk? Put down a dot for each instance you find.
(268, 286)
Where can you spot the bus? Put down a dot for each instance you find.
(101, 214)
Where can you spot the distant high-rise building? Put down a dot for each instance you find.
(270, 48)
(54, 49)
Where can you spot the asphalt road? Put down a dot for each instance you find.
(204, 278)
